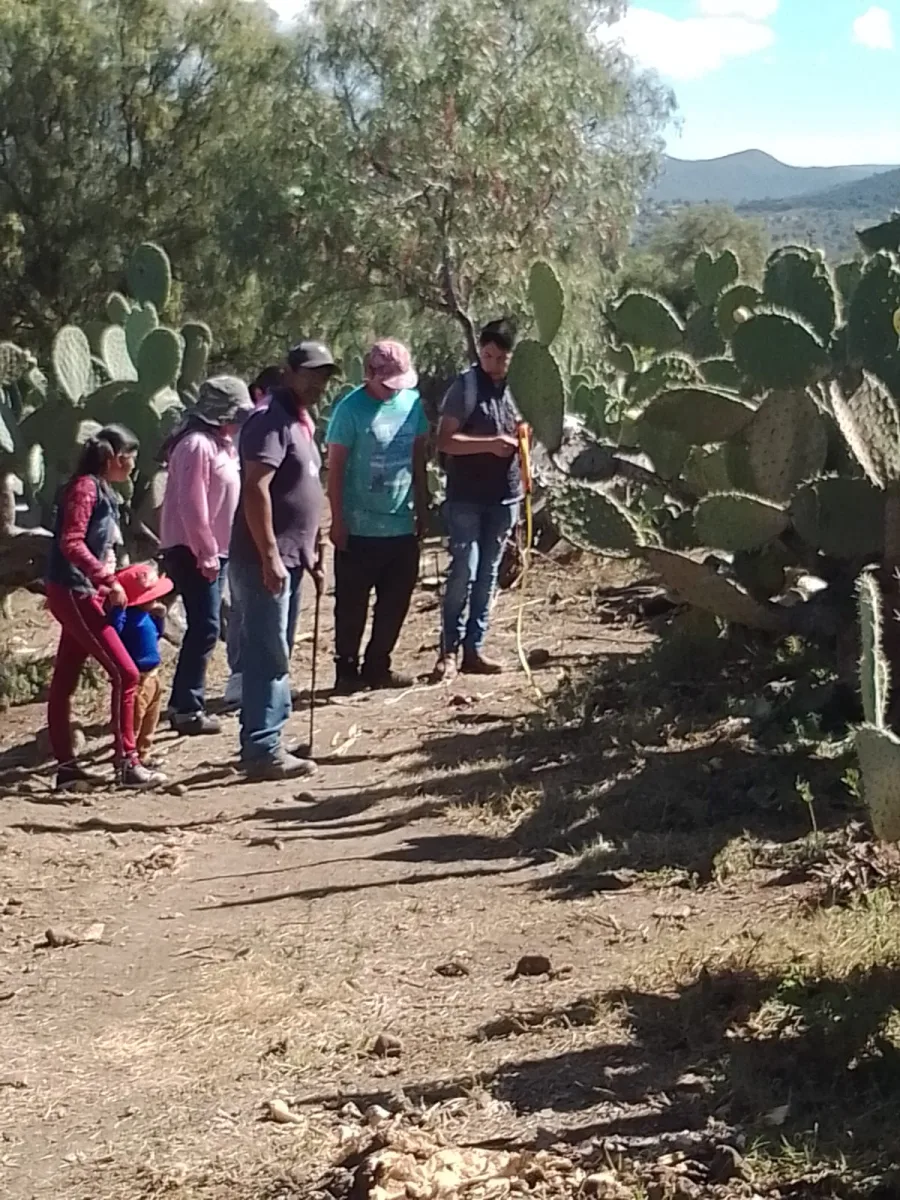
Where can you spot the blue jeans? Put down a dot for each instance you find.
(478, 535)
(234, 634)
(202, 600)
(267, 637)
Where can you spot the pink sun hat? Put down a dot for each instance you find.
(390, 363)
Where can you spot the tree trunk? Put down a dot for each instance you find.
(7, 506)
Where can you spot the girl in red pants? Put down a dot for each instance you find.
(81, 587)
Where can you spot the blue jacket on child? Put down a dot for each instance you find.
(140, 632)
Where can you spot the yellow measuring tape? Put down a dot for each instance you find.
(523, 432)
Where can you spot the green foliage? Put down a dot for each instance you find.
(797, 280)
(699, 415)
(594, 519)
(647, 321)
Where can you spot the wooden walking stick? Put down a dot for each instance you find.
(312, 676)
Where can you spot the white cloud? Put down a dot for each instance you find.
(750, 10)
(874, 30)
(695, 46)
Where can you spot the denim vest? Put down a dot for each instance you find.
(485, 478)
(98, 538)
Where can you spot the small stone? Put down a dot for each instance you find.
(453, 969)
(727, 1164)
(177, 789)
(604, 1185)
(538, 657)
(387, 1046)
(689, 1082)
(376, 1115)
(305, 798)
(278, 1111)
(531, 966)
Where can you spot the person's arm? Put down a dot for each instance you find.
(420, 483)
(117, 618)
(453, 417)
(257, 502)
(79, 499)
(340, 438)
(192, 467)
(337, 469)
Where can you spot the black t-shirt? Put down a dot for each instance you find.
(482, 478)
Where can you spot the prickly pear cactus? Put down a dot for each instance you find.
(699, 415)
(878, 751)
(702, 336)
(733, 522)
(776, 349)
(666, 372)
(871, 338)
(14, 363)
(546, 297)
(159, 361)
(642, 319)
(197, 337)
(142, 320)
(71, 358)
(713, 276)
(118, 309)
(738, 298)
(150, 275)
(536, 383)
(786, 443)
(594, 520)
(843, 518)
(874, 669)
(870, 423)
(797, 280)
(114, 352)
(700, 585)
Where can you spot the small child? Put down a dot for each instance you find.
(140, 627)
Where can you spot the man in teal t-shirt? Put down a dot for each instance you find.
(378, 496)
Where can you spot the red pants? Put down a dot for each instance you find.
(86, 634)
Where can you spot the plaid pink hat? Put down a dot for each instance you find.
(390, 363)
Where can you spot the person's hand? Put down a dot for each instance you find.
(157, 609)
(504, 445)
(115, 597)
(274, 573)
(339, 533)
(318, 576)
(209, 570)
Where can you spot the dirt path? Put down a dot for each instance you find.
(248, 943)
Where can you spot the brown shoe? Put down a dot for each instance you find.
(474, 663)
(445, 669)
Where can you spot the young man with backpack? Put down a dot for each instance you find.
(478, 436)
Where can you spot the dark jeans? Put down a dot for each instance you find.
(267, 637)
(478, 534)
(390, 565)
(202, 600)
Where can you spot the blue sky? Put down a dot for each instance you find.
(813, 82)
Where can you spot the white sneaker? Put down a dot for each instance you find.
(233, 691)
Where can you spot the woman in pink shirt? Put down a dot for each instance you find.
(202, 492)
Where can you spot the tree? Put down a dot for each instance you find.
(478, 134)
(666, 263)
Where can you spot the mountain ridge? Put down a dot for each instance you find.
(749, 176)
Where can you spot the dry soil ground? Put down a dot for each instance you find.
(171, 964)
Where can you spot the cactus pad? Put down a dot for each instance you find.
(702, 337)
(777, 350)
(713, 275)
(150, 275)
(879, 762)
(787, 443)
(667, 451)
(198, 340)
(14, 363)
(885, 236)
(699, 415)
(114, 352)
(797, 280)
(846, 277)
(621, 359)
(700, 585)
(649, 321)
(142, 319)
(841, 517)
(545, 295)
(870, 423)
(71, 358)
(159, 361)
(118, 308)
(741, 296)
(595, 521)
(538, 388)
(721, 373)
(732, 521)
(666, 372)
(874, 669)
(592, 403)
(872, 341)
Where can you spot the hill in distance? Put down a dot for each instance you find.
(748, 176)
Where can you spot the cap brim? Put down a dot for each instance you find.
(161, 588)
(401, 383)
(325, 365)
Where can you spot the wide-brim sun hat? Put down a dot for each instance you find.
(390, 363)
(142, 584)
(223, 400)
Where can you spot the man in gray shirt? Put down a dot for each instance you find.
(276, 538)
